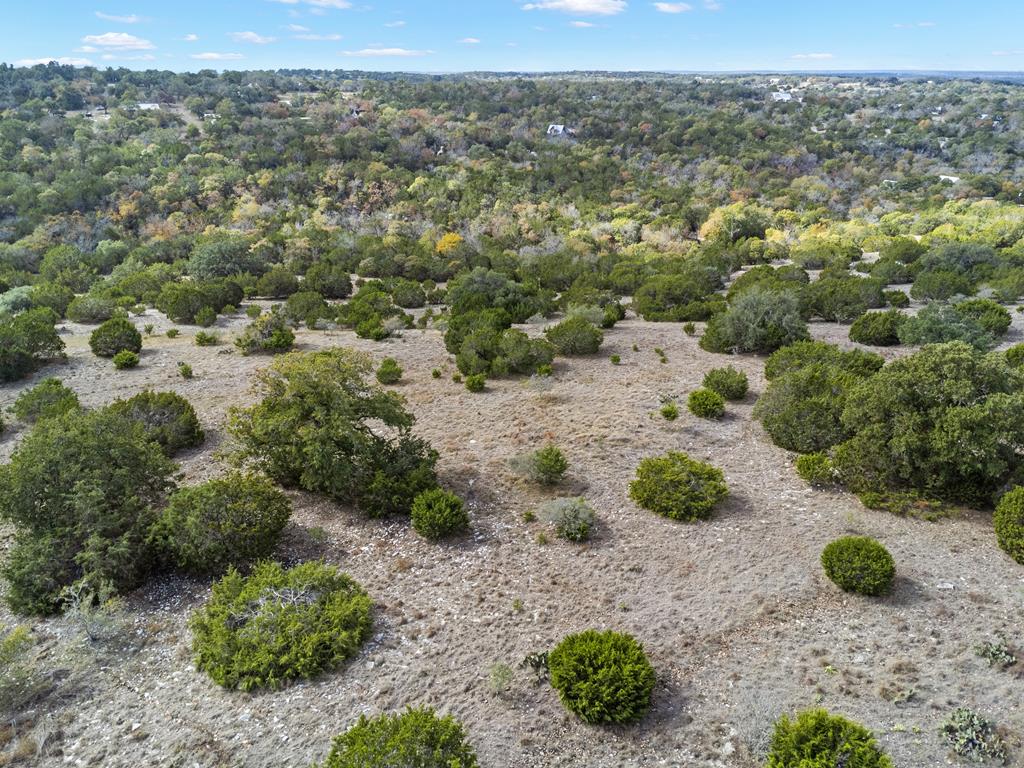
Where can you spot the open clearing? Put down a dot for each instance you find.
(736, 615)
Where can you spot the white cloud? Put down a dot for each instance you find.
(130, 19)
(75, 62)
(813, 56)
(581, 24)
(250, 37)
(712, 5)
(298, 28)
(119, 41)
(190, 38)
(1017, 52)
(128, 57)
(209, 56)
(394, 24)
(469, 41)
(312, 36)
(317, 3)
(86, 49)
(583, 7)
(400, 52)
(673, 7)
(914, 26)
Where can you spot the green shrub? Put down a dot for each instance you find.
(842, 299)
(46, 399)
(940, 323)
(669, 411)
(82, 489)
(575, 336)
(602, 677)
(407, 294)
(182, 302)
(115, 335)
(788, 278)
(90, 309)
(417, 738)
(167, 417)
(323, 427)
(802, 411)
(204, 339)
(206, 317)
(615, 359)
(1009, 524)
(942, 422)
(389, 372)
(54, 296)
(973, 736)
(816, 738)
(230, 521)
(859, 564)
(486, 289)
(992, 317)
(803, 354)
(278, 283)
(172, 333)
(368, 310)
(253, 311)
(896, 299)
(437, 514)
(727, 382)
(877, 329)
(546, 465)
(222, 256)
(27, 341)
(125, 359)
(306, 307)
(674, 298)
(816, 469)
(476, 382)
(267, 333)
(185, 370)
(706, 403)
(1014, 356)
(677, 487)
(435, 373)
(502, 352)
(277, 625)
(329, 280)
(940, 285)
(573, 518)
(758, 321)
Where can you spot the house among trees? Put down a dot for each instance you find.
(556, 129)
(782, 96)
(147, 106)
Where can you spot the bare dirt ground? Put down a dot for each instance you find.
(735, 613)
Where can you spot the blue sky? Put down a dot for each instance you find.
(528, 35)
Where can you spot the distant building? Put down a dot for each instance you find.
(556, 129)
(147, 106)
(782, 96)
(950, 179)
(211, 116)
